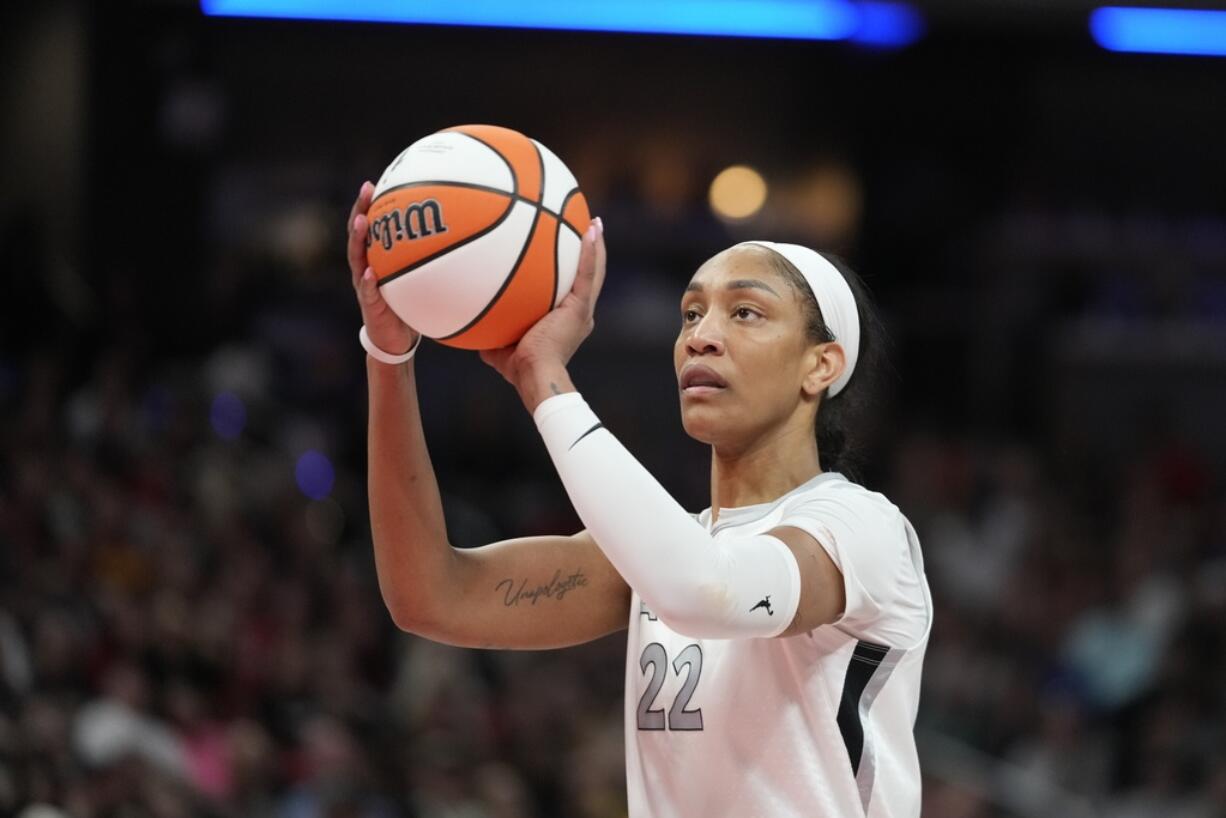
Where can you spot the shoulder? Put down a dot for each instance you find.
(872, 544)
(844, 503)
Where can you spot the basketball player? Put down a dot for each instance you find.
(776, 639)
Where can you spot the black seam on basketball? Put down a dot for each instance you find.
(449, 183)
(410, 268)
(565, 201)
(506, 282)
(540, 163)
(473, 186)
(498, 153)
(553, 288)
(557, 246)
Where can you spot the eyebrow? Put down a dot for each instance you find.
(736, 284)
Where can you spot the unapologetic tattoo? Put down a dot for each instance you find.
(557, 588)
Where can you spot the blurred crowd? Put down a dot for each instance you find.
(184, 631)
(190, 624)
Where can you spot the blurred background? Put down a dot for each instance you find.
(189, 620)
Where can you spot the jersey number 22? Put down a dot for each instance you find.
(678, 717)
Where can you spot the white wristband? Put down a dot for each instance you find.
(386, 357)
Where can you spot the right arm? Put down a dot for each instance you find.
(534, 592)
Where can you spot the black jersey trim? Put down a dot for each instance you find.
(864, 662)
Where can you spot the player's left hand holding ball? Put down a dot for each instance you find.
(536, 365)
(385, 329)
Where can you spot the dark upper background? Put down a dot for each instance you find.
(1044, 226)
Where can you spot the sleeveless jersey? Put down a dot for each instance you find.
(815, 725)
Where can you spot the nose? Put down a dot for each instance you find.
(707, 337)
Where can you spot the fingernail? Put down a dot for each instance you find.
(599, 224)
(591, 232)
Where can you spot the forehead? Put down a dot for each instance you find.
(739, 263)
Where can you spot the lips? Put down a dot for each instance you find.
(699, 377)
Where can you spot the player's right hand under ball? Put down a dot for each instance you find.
(384, 327)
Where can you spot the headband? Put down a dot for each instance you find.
(834, 299)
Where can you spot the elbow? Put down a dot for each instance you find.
(413, 595)
(404, 617)
(407, 615)
(696, 610)
(684, 626)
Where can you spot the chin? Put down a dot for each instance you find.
(703, 423)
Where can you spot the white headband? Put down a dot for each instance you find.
(834, 298)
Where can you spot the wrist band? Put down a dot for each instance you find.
(386, 357)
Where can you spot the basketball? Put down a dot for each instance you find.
(475, 234)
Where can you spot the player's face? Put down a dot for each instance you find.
(743, 361)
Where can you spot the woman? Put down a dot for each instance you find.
(776, 639)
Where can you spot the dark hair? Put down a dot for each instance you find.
(840, 418)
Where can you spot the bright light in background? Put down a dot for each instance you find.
(875, 23)
(1160, 31)
(738, 192)
(887, 24)
(315, 475)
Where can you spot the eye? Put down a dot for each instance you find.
(746, 313)
(690, 315)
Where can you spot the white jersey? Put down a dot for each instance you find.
(815, 725)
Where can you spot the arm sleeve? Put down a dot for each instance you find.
(697, 586)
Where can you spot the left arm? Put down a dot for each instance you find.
(822, 595)
(780, 583)
(699, 586)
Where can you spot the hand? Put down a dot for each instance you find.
(551, 341)
(384, 327)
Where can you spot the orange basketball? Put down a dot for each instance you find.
(475, 234)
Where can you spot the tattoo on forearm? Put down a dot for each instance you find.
(554, 388)
(557, 588)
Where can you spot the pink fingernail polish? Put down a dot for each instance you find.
(599, 224)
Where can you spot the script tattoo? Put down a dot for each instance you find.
(557, 588)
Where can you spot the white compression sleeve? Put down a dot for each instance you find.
(700, 587)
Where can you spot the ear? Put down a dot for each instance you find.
(825, 364)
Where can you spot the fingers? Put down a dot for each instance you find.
(356, 249)
(601, 259)
(362, 203)
(357, 227)
(368, 289)
(498, 359)
(590, 276)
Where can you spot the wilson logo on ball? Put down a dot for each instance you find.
(419, 219)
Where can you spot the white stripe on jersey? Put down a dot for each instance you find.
(819, 724)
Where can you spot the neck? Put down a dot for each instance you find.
(766, 469)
